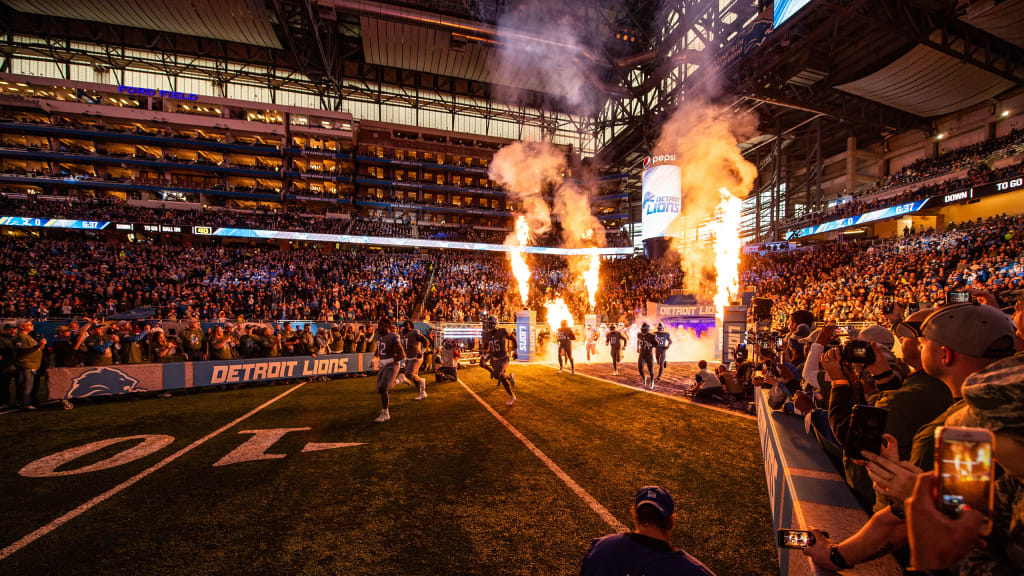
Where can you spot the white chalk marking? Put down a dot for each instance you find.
(47, 466)
(565, 478)
(317, 446)
(255, 448)
(58, 522)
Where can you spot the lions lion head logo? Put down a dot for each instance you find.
(103, 381)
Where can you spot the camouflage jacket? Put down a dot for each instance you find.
(1005, 552)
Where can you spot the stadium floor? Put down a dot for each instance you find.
(445, 487)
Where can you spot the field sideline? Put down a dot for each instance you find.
(443, 488)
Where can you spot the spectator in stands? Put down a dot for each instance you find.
(193, 341)
(957, 341)
(648, 549)
(161, 349)
(960, 344)
(995, 400)
(67, 347)
(8, 374)
(99, 345)
(28, 360)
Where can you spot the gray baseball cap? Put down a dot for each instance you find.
(878, 334)
(971, 329)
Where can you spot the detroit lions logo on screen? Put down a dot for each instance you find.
(103, 382)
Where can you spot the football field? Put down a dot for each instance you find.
(298, 479)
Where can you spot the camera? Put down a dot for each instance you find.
(858, 352)
(763, 308)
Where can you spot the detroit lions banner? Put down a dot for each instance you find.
(214, 372)
(662, 188)
(70, 383)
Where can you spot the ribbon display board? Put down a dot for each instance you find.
(90, 381)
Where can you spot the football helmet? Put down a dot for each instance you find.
(661, 327)
(645, 328)
(490, 323)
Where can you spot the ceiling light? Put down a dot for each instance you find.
(940, 136)
(1006, 113)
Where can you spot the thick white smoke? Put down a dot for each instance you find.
(525, 170)
(705, 139)
(540, 50)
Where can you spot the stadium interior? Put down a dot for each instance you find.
(716, 246)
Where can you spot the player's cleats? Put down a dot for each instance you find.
(421, 396)
(559, 370)
(615, 373)
(384, 416)
(511, 401)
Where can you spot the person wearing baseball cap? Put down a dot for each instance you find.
(955, 342)
(994, 399)
(647, 550)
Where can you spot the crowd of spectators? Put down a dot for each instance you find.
(850, 281)
(969, 158)
(169, 213)
(468, 287)
(450, 233)
(381, 228)
(627, 284)
(99, 279)
(957, 365)
(948, 161)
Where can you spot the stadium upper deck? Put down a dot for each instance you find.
(129, 143)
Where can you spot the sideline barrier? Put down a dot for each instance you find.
(70, 383)
(804, 490)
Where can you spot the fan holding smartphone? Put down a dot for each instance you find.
(962, 499)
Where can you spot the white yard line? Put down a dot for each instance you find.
(565, 478)
(663, 395)
(82, 509)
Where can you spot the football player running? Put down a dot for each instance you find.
(645, 345)
(617, 340)
(494, 340)
(592, 336)
(664, 341)
(389, 353)
(565, 338)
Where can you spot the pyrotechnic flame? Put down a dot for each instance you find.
(519, 267)
(591, 278)
(558, 311)
(727, 250)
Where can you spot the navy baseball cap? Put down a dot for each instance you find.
(657, 497)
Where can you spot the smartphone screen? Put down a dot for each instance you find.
(866, 428)
(795, 538)
(842, 330)
(958, 297)
(964, 461)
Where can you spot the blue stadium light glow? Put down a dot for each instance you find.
(785, 9)
(300, 236)
(134, 91)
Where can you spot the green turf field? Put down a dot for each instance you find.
(443, 488)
